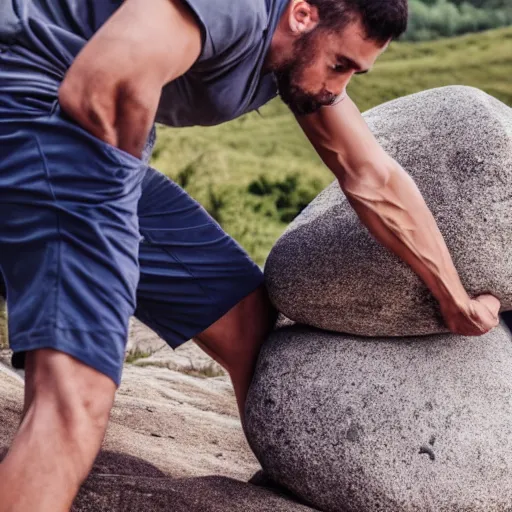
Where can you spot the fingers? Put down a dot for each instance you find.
(485, 310)
(491, 302)
(478, 317)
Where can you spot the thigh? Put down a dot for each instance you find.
(191, 272)
(69, 238)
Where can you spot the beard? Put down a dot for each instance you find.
(290, 73)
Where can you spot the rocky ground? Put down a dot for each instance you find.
(174, 442)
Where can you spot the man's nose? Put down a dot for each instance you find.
(342, 87)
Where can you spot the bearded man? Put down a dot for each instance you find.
(90, 235)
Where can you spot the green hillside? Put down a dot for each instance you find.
(483, 60)
(255, 173)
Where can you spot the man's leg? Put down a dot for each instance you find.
(234, 341)
(196, 282)
(60, 435)
(69, 246)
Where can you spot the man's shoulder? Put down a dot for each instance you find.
(230, 26)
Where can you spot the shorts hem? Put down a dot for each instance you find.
(175, 341)
(18, 345)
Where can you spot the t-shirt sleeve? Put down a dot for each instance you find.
(10, 25)
(228, 26)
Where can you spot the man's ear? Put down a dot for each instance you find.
(303, 17)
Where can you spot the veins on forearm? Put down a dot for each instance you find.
(385, 206)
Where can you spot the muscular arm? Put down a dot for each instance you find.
(113, 87)
(388, 202)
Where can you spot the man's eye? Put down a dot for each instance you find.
(339, 68)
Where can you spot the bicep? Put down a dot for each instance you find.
(136, 48)
(163, 38)
(113, 87)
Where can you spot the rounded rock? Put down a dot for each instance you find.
(350, 424)
(327, 271)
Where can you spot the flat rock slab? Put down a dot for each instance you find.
(152, 494)
(357, 425)
(11, 405)
(185, 426)
(174, 443)
(327, 271)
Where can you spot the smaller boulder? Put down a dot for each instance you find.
(350, 424)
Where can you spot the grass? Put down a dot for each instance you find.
(136, 355)
(219, 165)
(205, 371)
(482, 60)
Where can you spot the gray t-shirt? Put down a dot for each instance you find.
(224, 83)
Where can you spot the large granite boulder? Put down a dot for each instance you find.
(329, 272)
(358, 425)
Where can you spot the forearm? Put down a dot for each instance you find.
(391, 206)
(388, 202)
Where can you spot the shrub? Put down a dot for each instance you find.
(283, 199)
(442, 18)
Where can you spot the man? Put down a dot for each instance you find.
(89, 234)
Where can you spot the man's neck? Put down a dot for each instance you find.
(280, 40)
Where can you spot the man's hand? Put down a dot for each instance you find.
(389, 203)
(113, 87)
(475, 317)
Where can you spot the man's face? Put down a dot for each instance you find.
(322, 65)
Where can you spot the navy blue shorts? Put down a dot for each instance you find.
(89, 235)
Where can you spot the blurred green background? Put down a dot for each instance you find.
(431, 19)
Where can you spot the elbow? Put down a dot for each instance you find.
(368, 176)
(93, 111)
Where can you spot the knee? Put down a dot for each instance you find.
(253, 319)
(236, 338)
(69, 397)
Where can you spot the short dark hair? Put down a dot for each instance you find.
(382, 19)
